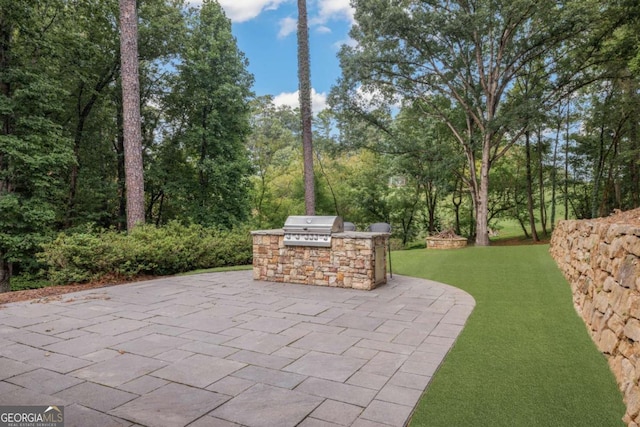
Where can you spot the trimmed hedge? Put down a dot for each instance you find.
(174, 248)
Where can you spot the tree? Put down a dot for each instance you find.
(470, 53)
(93, 110)
(304, 88)
(273, 145)
(134, 172)
(207, 173)
(34, 151)
(92, 55)
(607, 144)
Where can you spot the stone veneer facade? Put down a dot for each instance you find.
(350, 262)
(601, 261)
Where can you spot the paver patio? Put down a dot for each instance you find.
(221, 349)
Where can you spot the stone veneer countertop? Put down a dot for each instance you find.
(344, 234)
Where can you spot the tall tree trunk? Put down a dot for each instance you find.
(554, 174)
(431, 199)
(118, 147)
(456, 199)
(134, 174)
(634, 162)
(541, 193)
(529, 175)
(304, 82)
(566, 164)
(516, 207)
(598, 173)
(482, 198)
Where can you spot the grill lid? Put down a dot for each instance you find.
(313, 224)
(311, 230)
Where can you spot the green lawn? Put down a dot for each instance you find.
(525, 357)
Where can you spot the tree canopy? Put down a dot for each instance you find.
(460, 60)
(449, 115)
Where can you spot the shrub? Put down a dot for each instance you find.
(92, 254)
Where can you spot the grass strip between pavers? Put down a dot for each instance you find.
(524, 358)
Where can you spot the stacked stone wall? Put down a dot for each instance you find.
(601, 261)
(350, 262)
(444, 243)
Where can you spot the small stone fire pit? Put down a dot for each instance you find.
(446, 239)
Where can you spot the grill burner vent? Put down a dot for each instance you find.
(311, 230)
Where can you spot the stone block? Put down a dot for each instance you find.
(626, 349)
(616, 249)
(632, 399)
(601, 301)
(632, 329)
(611, 233)
(608, 283)
(616, 324)
(608, 341)
(634, 305)
(629, 271)
(618, 298)
(632, 244)
(597, 322)
(628, 372)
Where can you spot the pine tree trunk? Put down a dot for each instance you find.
(134, 176)
(304, 81)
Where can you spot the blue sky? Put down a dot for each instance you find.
(266, 33)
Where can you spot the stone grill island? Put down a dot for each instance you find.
(350, 259)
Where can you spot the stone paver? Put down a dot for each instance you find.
(170, 406)
(265, 405)
(221, 349)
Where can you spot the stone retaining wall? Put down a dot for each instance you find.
(446, 243)
(600, 259)
(350, 262)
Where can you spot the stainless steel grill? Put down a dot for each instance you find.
(311, 230)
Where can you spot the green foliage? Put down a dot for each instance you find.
(92, 254)
(27, 281)
(34, 151)
(209, 159)
(274, 150)
(206, 177)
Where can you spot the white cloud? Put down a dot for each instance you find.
(245, 10)
(334, 9)
(288, 25)
(325, 11)
(318, 100)
(322, 29)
